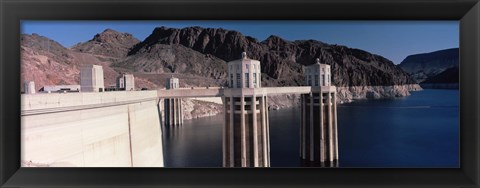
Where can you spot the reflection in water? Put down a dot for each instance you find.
(196, 143)
(308, 163)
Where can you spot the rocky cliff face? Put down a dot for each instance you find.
(424, 66)
(109, 43)
(161, 58)
(281, 60)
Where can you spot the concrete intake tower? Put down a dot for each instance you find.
(318, 132)
(246, 131)
(173, 106)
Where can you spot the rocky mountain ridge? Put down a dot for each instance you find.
(426, 65)
(109, 43)
(281, 60)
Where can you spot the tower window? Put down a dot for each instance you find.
(247, 80)
(309, 80)
(316, 80)
(231, 80)
(254, 79)
(323, 79)
(239, 80)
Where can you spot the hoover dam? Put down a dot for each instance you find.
(124, 128)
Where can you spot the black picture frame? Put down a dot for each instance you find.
(466, 11)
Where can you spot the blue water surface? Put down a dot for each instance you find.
(421, 130)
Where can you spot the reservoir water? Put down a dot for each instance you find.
(421, 130)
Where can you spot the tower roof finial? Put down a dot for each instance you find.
(244, 55)
(317, 60)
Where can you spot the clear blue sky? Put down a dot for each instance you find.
(392, 39)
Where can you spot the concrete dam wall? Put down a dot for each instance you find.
(114, 129)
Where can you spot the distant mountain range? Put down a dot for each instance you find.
(199, 56)
(425, 67)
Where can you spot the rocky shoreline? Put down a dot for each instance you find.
(198, 108)
(349, 94)
(193, 108)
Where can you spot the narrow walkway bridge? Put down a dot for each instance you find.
(219, 92)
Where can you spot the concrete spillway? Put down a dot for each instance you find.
(114, 129)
